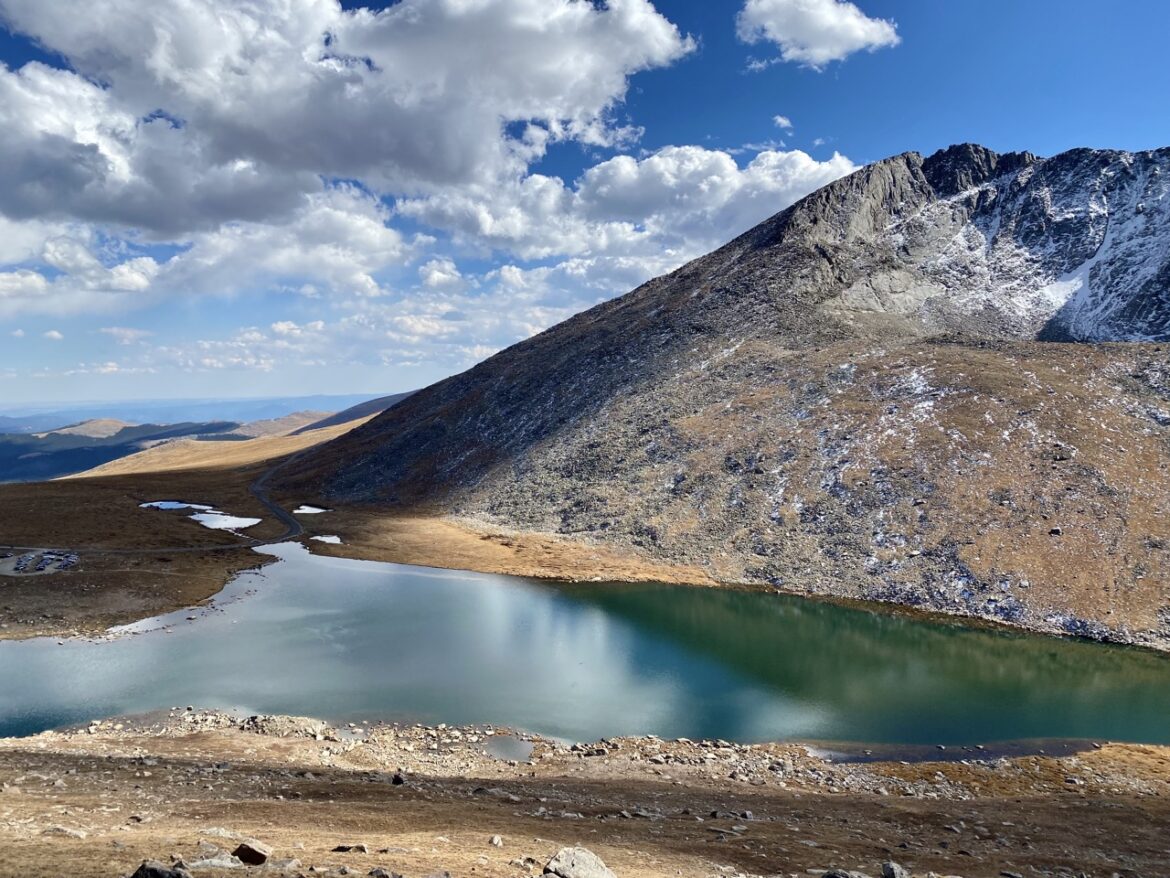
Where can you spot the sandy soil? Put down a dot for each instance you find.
(98, 801)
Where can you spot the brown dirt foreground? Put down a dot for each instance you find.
(190, 785)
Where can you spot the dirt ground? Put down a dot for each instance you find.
(96, 802)
(452, 543)
(132, 562)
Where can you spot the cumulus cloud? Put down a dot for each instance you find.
(54, 335)
(185, 113)
(439, 273)
(813, 32)
(335, 242)
(359, 162)
(680, 200)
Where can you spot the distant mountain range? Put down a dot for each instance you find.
(77, 447)
(38, 419)
(939, 382)
(41, 456)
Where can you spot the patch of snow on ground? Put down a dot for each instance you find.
(305, 509)
(332, 540)
(208, 516)
(223, 521)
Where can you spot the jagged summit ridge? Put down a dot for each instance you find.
(1074, 247)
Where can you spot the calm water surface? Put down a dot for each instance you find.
(350, 640)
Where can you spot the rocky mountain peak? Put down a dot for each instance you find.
(967, 165)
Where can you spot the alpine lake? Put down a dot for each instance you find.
(349, 640)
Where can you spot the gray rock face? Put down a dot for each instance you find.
(577, 862)
(893, 870)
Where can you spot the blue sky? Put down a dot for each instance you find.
(445, 177)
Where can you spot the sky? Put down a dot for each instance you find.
(230, 198)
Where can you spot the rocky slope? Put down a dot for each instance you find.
(937, 382)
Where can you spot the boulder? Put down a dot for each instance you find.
(155, 869)
(893, 870)
(252, 853)
(577, 862)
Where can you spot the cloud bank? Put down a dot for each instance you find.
(377, 162)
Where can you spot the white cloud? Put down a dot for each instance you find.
(337, 241)
(782, 122)
(196, 148)
(813, 32)
(17, 333)
(22, 284)
(439, 273)
(54, 335)
(124, 335)
(213, 111)
(679, 202)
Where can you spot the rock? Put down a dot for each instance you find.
(843, 873)
(496, 841)
(577, 862)
(65, 831)
(382, 873)
(893, 870)
(351, 849)
(253, 853)
(218, 860)
(286, 865)
(155, 869)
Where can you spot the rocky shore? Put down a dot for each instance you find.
(214, 794)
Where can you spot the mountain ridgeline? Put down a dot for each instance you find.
(938, 382)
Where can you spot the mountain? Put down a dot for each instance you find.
(937, 382)
(353, 413)
(97, 428)
(294, 423)
(202, 455)
(38, 457)
(44, 418)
